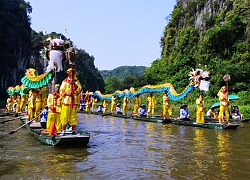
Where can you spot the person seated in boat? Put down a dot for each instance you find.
(216, 115)
(142, 111)
(44, 116)
(200, 109)
(236, 113)
(118, 109)
(100, 108)
(210, 113)
(184, 114)
(82, 106)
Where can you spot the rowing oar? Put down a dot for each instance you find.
(7, 120)
(15, 130)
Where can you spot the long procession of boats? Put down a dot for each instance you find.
(82, 137)
(209, 122)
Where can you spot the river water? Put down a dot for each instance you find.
(129, 149)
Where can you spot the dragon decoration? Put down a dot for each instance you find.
(17, 89)
(57, 50)
(198, 79)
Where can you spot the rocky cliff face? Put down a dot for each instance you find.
(15, 42)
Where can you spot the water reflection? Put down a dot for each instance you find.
(129, 149)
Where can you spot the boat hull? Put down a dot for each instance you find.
(206, 125)
(69, 140)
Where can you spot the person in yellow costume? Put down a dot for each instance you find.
(40, 99)
(54, 112)
(31, 103)
(105, 106)
(113, 104)
(166, 106)
(69, 90)
(224, 102)
(23, 102)
(87, 100)
(93, 103)
(137, 103)
(18, 102)
(151, 104)
(125, 105)
(200, 109)
(10, 103)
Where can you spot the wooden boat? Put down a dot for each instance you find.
(69, 140)
(152, 119)
(206, 125)
(209, 119)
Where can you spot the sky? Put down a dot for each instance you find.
(116, 32)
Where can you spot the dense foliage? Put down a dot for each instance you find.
(212, 35)
(123, 77)
(123, 71)
(15, 41)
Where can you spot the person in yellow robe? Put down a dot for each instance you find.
(93, 103)
(224, 103)
(166, 106)
(151, 104)
(69, 90)
(200, 109)
(23, 102)
(125, 105)
(10, 103)
(87, 99)
(40, 99)
(113, 104)
(31, 103)
(54, 112)
(105, 106)
(137, 103)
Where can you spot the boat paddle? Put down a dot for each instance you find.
(15, 130)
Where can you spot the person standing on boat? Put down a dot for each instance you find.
(151, 104)
(137, 103)
(23, 102)
(224, 103)
(105, 106)
(125, 105)
(87, 100)
(166, 106)
(200, 109)
(54, 112)
(93, 103)
(69, 90)
(10, 103)
(31, 104)
(184, 114)
(40, 99)
(113, 104)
